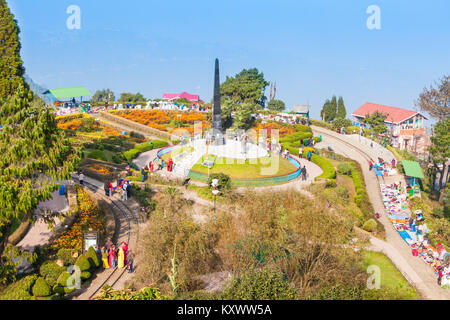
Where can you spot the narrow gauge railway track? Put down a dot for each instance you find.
(130, 217)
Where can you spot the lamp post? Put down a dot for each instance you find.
(215, 192)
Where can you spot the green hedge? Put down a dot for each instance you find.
(97, 155)
(20, 290)
(329, 172)
(66, 256)
(144, 147)
(93, 258)
(83, 263)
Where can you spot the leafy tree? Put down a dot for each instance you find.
(440, 152)
(103, 96)
(376, 122)
(436, 101)
(248, 86)
(35, 153)
(339, 123)
(243, 118)
(341, 111)
(276, 105)
(242, 95)
(131, 98)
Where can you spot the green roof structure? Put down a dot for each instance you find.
(69, 92)
(412, 169)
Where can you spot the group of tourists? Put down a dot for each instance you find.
(123, 187)
(113, 257)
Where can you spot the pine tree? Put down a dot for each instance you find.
(35, 153)
(341, 112)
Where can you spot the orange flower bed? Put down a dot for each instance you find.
(269, 126)
(74, 124)
(110, 132)
(101, 169)
(157, 118)
(89, 217)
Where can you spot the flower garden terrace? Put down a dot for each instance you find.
(166, 120)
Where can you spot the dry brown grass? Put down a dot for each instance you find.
(282, 230)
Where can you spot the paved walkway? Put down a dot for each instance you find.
(39, 233)
(416, 271)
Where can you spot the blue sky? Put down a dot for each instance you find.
(312, 49)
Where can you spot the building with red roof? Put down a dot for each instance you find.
(407, 127)
(175, 96)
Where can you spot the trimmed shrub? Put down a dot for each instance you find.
(144, 147)
(20, 290)
(329, 172)
(97, 155)
(51, 271)
(350, 129)
(93, 258)
(224, 181)
(66, 256)
(345, 168)
(41, 288)
(62, 289)
(83, 263)
(62, 279)
(339, 123)
(370, 225)
(85, 275)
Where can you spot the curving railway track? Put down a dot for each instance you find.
(128, 232)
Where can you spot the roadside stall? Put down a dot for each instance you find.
(413, 171)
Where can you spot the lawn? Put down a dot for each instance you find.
(391, 278)
(249, 169)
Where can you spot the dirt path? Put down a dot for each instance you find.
(417, 272)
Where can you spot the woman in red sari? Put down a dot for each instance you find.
(112, 256)
(151, 167)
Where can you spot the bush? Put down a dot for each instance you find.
(85, 275)
(224, 181)
(343, 193)
(41, 288)
(62, 289)
(328, 169)
(97, 155)
(370, 225)
(345, 168)
(144, 147)
(51, 271)
(83, 263)
(263, 284)
(66, 256)
(349, 130)
(331, 183)
(339, 123)
(93, 258)
(62, 279)
(20, 290)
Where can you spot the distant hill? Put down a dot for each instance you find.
(37, 89)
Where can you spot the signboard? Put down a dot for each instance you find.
(90, 239)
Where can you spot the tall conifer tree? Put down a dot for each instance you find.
(35, 154)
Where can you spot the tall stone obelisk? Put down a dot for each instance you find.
(217, 110)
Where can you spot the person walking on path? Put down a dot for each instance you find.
(370, 165)
(309, 156)
(393, 163)
(143, 174)
(303, 171)
(81, 178)
(300, 152)
(105, 258)
(128, 189)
